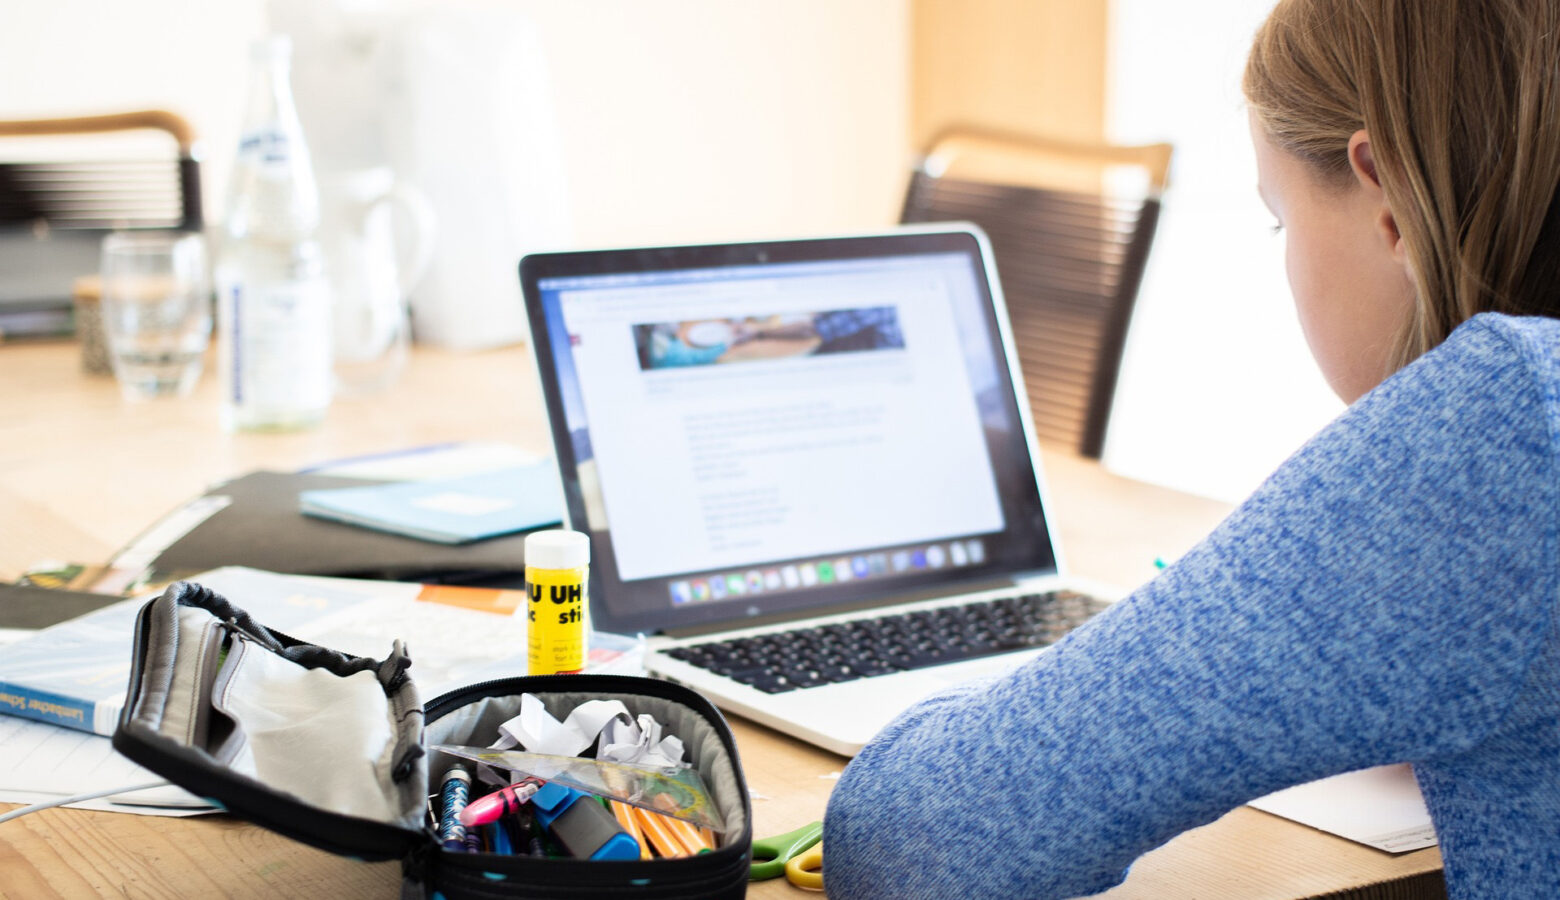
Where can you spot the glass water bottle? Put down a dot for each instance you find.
(273, 300)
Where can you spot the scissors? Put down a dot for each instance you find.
(796, 854)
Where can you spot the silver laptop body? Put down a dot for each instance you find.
(800, 434)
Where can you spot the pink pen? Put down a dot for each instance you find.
(500, 803)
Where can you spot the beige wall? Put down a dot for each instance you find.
(679, 119)
(700, 116)
(1037, 66)
(715, 120)
(80, 57)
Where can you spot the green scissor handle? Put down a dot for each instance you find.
(771, 854)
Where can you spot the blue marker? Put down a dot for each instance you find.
(454, 795)
(581, 825)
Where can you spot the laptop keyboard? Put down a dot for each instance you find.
(844, 651)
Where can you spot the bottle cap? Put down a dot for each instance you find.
(557, 549)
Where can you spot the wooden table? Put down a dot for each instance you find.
(83, 471)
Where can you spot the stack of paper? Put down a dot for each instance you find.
(1379, 807)
(76, 673)
(39, 763)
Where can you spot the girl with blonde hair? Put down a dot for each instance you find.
(1390, 593)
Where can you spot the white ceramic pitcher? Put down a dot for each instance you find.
(378, 236)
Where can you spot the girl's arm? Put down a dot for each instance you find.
(1379, 599)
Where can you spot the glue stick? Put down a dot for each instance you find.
(556, 566)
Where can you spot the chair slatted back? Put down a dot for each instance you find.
(1070, 263)
(96, 195)
(102, 194)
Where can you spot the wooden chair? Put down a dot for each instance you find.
(1070, 227)
(104, 194)
(55, 212)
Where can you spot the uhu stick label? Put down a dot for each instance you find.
(555, 607)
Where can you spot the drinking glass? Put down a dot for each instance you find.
(156, 308)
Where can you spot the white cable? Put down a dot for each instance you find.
(48, 804)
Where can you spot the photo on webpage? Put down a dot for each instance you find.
(712, 341)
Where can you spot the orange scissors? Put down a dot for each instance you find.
(796, 854)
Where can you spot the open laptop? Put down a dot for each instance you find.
(827, 435)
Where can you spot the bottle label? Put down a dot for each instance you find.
(555, 607)
(281, 357)
(267, 147)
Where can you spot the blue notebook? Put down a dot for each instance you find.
(448, 510)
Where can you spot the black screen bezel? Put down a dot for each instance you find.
(1025, 547)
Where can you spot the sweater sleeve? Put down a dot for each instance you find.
(1378, 600)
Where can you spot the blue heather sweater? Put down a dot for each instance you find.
(1388, 595)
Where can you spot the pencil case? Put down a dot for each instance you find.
(334, 750)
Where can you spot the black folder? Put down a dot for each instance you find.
(262, 527)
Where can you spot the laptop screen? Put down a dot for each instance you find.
(766, 429)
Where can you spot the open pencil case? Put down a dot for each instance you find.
(333, 750)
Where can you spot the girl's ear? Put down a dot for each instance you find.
(1363, 162)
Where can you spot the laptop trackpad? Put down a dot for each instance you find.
(861, 708)
(853, 711)
(895, 693)
(978, 668)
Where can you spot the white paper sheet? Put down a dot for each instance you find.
(40, 762)
(450, 646)
(1379, 807)
(11, 635)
